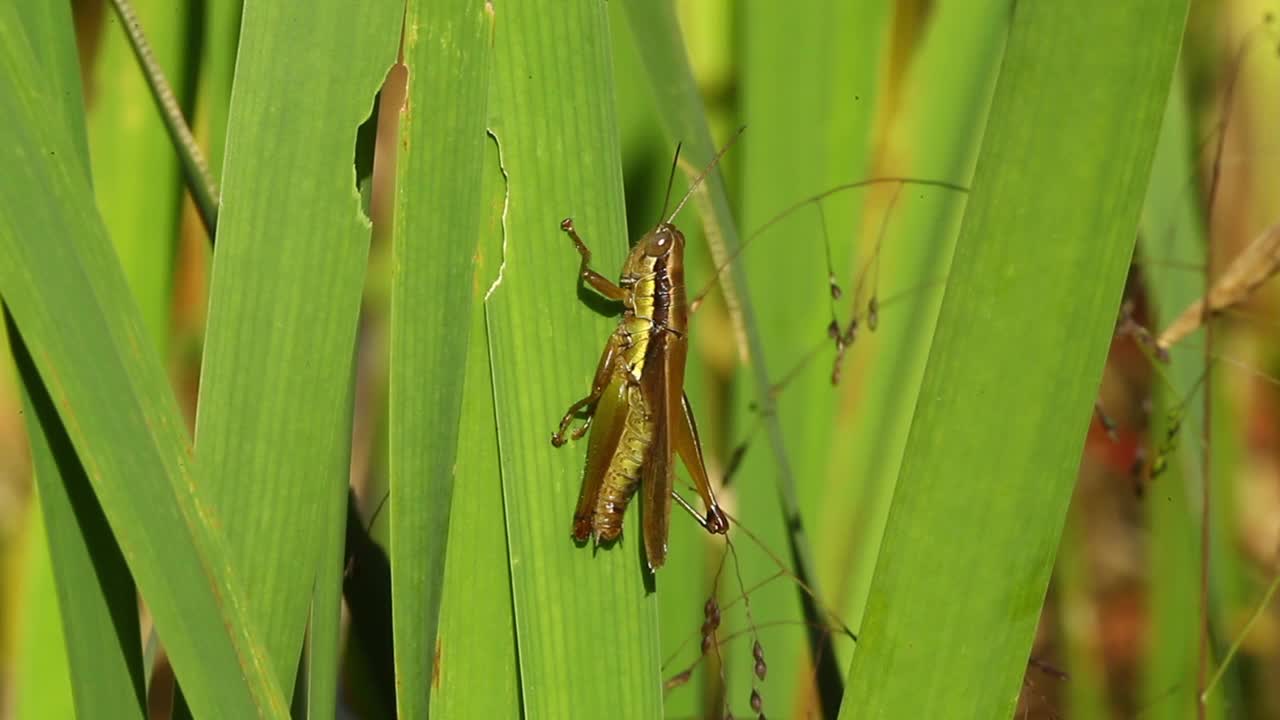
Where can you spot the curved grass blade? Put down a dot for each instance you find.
(553, 122)
(1008, 391)
(69, 299)
(438, 184)
(84, 590)
(273, 425)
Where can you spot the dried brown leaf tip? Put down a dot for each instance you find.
(1255, 265)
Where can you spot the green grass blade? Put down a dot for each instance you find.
(1085, 693)
(94, 598)
(324, 631)
(273, 425)
(69, 299)
(128, 144)
(945, 94)
(43, 683)
(1173, 236)
(1172, 230)
(577, 610)
(1025, 323)
(221, 24)
(476, 643)
(95, 592)
(173, 110)
(48, 30)
(438, 183)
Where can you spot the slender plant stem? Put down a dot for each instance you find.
(1206, 429)
(1244, 633)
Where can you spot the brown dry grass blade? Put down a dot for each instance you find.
(1256, 264)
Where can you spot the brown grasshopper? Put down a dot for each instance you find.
(638, 394)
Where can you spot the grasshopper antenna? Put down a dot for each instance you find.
(671, 178)
(703, 176)
(815, 200)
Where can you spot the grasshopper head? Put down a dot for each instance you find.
(661, 240)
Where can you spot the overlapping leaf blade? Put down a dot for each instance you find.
(273, 426)
(1028, 312)
(438, 186)
(69, 300)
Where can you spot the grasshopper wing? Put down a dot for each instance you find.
(606, 431)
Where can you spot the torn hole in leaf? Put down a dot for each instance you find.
(374, 156)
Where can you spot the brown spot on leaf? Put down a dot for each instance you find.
(435, 667)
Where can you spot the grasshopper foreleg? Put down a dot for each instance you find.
(598, 282)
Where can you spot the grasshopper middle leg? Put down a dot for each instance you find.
(604, 370)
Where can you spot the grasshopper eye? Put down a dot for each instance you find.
(659, 244)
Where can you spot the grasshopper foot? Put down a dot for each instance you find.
(717, 521)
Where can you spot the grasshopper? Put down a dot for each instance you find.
(638, 386)
(638, 394)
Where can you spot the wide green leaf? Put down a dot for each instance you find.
(438, 185)
(578, 609)
(1029, 308)
(273, 428)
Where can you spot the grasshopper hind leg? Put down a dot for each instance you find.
(689, 447)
